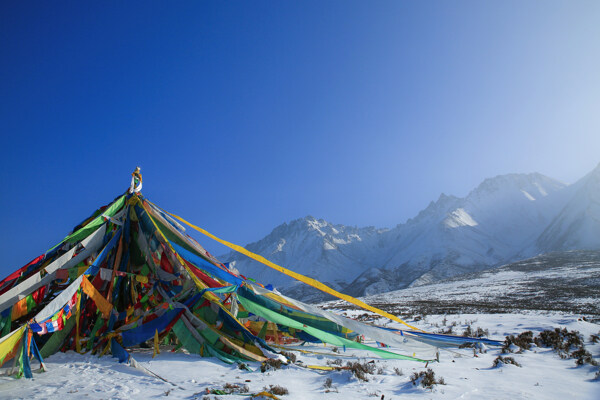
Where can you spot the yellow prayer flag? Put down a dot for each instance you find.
(103, 305)
(156, 349)
(9, 342)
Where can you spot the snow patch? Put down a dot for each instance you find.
(340, 241)
(280, 245)
(460, 217)
(527, 195)
(541, 189)
(328, 246)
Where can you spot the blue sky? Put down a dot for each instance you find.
(244, 115)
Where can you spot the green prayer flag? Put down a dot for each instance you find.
(85, 231)
(319, 334)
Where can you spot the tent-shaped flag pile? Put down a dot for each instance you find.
(130, 273)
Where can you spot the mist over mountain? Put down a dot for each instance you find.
(504, 219)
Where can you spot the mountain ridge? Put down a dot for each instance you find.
(504, 219)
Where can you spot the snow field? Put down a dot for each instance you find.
(543, 375)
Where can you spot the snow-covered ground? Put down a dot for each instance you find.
(545, 292)
(543, 374)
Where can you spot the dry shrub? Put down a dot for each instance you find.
(523, 341)
(328, 383)
(364, 317)
(398, 371)
(505, 360)
(231, 388)
(506, 347)
(290, 356)
(476, 333)
(426, 379)
(276, 390)
(582, 356)
(448, 331)
(567, 344)
(561, 340)
(361, 370)
(271, 364)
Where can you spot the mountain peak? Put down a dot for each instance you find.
(444, 197)
(441, 206)
(532, 186)
(596, 171)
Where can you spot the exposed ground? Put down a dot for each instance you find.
(567, 282)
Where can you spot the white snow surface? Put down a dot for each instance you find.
(459, 217)
(543, 375)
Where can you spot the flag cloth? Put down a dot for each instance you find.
(9, 343)
(130, 274)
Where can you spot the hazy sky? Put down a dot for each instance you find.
(245, 115)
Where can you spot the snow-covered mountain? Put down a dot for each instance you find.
(492, 225)
(504, 219)
(336, 254)
(577, 224)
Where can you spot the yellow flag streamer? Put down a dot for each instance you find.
(156, 348)
(77, 315)
(309, 281)
(19, 309)
(265, 394)
(101, 303)
(322, 367)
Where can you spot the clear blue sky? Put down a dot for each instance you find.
(245, 115)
